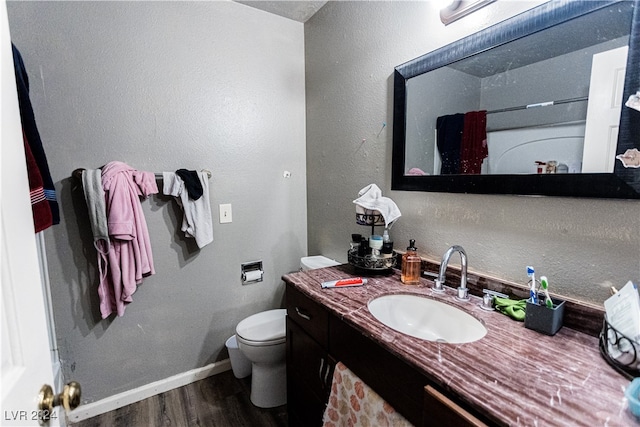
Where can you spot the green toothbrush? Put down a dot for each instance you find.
(545, 286)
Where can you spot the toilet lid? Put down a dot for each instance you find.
(265, 326)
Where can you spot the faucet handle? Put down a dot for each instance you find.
(438, 285)
(494, 293)
(430, 274)
(463, 294)
(487, 302)
(489, 298)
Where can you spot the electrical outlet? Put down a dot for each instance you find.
(225, 213)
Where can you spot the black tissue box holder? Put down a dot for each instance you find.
(540, 318)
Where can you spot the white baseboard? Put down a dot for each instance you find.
(110, 403)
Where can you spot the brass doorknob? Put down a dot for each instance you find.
(47, 400)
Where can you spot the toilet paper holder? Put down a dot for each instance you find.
(251, 272)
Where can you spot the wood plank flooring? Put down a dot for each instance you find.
(218, 401)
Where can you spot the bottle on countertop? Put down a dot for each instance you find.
(387, 245)
(411, 265)
(363, 249)
(355, 241)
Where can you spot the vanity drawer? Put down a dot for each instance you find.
(307, 314)
(440, 410)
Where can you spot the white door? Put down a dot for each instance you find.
(603, 110)
(26, 363)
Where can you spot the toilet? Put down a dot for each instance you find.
(316, 261)
(261, 338)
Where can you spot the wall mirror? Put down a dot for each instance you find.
(534, 105)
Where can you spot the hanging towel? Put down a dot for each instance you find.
(32, 137)
(353, 403)
(473, 148)
(191, 182)
(96, 205)
(370, 197)
(129, 258)
(197, 221)
(39, 206)
(449, 140)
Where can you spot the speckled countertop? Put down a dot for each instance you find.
(515, 375)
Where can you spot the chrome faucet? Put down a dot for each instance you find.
(463, 292)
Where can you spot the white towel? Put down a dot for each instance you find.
(370, 197)
(197, 221)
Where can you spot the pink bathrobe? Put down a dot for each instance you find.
(129, 258)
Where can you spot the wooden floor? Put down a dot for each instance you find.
(220, 400)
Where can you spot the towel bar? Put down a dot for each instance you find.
(77, 174)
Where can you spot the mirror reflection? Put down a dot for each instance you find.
(546, 103)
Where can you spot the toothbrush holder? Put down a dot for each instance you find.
(540, 318)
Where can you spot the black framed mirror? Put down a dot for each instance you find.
(529, 42)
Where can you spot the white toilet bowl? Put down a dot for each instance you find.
(262, 339)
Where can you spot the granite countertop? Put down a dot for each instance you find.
(515, 375)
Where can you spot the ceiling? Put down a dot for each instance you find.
(299, 11)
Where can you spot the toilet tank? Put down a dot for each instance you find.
(317, 261)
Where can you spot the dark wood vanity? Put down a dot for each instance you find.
(513, 376)
(309, 368)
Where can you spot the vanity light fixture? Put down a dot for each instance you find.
(460, 8)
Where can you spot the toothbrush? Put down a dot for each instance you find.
(545, 286)
(532, 291)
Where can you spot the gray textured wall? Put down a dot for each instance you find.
(351, 50)
(161, 86)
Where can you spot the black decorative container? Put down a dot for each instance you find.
(370, 263)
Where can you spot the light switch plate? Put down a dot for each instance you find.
(225, 213)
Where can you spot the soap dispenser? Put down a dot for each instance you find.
(411, 265)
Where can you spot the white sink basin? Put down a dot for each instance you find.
(427, 319)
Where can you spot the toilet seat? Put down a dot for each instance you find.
(263, 329)
(261, 343)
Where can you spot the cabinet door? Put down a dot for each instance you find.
(309, 374)
(439, 410)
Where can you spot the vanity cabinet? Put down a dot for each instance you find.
(316, 339)
(309, 367)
